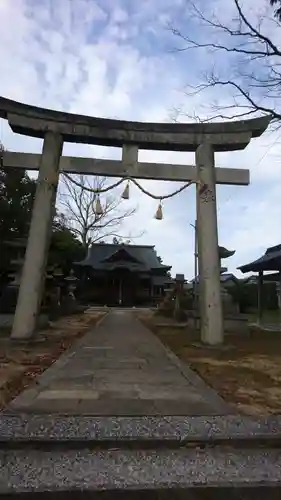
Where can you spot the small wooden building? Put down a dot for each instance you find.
(270, 261)
(122, 274)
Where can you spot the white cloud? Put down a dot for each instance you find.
(110, 59)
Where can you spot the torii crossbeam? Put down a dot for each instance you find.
(116, 168)
(56, 127)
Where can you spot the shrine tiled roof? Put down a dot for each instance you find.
(270, 261)
(105, 256)
(224, 278)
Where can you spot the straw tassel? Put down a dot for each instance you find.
(159, 212)
(126, 192)
(98, 208)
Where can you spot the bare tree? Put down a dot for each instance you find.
(277, 12)
(78, 206)
(246, 58)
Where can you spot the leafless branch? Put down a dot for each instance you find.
(78, 206)
(253, 61)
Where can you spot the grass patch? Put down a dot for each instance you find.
(268, 317)
(248, 374)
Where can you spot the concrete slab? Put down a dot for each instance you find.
(120, 368)
(22, 427)
(68, 394)
(60, 471)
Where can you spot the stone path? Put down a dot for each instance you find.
(267, 326)
(120, 368)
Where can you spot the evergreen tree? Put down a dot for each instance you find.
(16, 199)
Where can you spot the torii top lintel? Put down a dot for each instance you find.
(35, 122)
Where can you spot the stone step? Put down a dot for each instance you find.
(197, 474)
(20, 430)
(201, 458)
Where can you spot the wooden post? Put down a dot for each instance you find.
(120, 299)
(279, 296)
(196, 282)
(260, 297)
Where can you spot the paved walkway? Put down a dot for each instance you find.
(120, 368)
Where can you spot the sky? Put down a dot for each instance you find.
(119, 59)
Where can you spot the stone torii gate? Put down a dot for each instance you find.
(58, 127)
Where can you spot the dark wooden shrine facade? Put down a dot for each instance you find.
(270, 261)
(122, 275)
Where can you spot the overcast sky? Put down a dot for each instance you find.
(115, 59)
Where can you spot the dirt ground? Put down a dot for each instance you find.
(21, 363)
(246, 372)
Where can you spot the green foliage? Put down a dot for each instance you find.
(180, 315)
(166, 311)
(246, 296)
(17, 193)
(16, 199)
(187, 300)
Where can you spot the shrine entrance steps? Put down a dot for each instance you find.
(119, 415)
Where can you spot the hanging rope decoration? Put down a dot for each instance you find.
(126, 193)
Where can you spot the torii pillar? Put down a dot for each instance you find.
(210, 302)
(32, 280)
(57, 127)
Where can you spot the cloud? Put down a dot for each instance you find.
(113, 58)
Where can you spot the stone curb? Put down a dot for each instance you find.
(206, 390)
(90, 470)
(17, 428)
